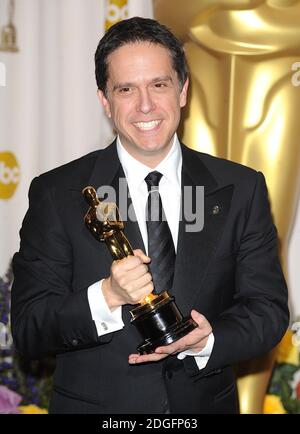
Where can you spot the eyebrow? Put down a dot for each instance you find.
(155, 80)
(163, 78)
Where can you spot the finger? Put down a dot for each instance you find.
(174, 348)
(142, 293)
(137, 358)
(142, 281)
(139, 253)
(126, 264)
(202, 322)
(198, 318)
(138, 272)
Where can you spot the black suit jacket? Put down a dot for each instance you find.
(229, 272)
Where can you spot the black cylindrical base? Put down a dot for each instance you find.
(160, 323)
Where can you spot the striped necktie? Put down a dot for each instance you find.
(160, 243)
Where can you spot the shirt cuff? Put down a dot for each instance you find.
(105, 320)
(203, 356)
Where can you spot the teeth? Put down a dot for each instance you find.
(147, 125)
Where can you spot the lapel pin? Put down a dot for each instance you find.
(216, 210)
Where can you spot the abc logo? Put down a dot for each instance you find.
(9, 175)
(116, 11)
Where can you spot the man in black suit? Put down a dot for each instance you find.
(68, 299)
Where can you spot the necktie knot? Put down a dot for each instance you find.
(152, 180)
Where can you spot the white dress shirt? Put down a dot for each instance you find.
(170, 192)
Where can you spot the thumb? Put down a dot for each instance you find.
(142, 255)
(197, 317)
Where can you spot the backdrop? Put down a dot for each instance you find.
(49, 111)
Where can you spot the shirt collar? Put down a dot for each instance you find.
(170, 166)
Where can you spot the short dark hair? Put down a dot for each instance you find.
(133, 30)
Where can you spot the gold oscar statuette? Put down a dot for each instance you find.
(156, 317)
(9, 33)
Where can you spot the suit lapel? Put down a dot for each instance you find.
(195, 250)
(127, 213)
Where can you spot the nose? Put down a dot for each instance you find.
(145, 101)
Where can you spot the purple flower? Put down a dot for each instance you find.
(9, 401)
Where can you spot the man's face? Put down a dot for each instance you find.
(144, 99)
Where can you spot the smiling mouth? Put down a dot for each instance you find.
(147, 126)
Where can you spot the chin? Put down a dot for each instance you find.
(153, 145)
(154, 149)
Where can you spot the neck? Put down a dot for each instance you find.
(148, 158)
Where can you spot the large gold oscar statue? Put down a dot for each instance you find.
(245, 107)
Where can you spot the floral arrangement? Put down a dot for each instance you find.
(9, 404)
(24, 386)
(283, 394)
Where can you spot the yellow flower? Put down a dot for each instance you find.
(32, 409)
(273, 405)
(286, 351)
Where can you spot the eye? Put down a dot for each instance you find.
(160, 85)
(125, 89)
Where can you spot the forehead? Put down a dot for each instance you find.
(134, 59)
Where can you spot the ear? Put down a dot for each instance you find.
(183, 93)
(104, 102)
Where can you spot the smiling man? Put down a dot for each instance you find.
(69, 300)
(143, 97)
